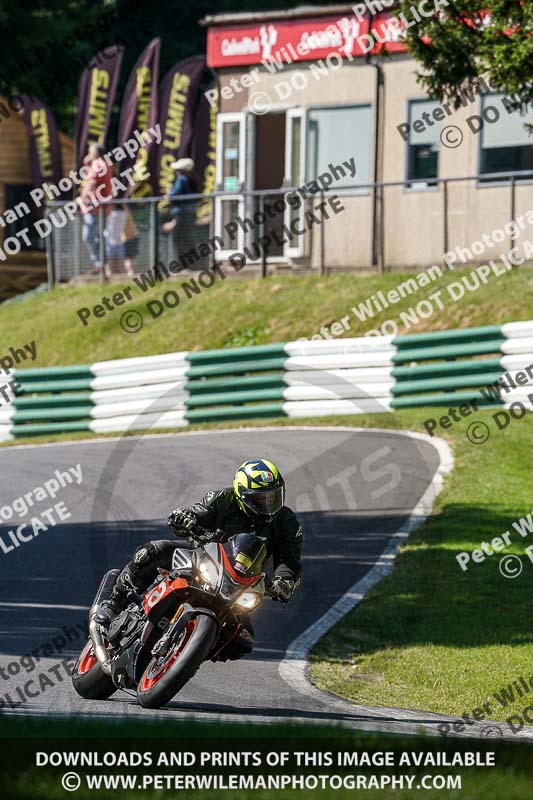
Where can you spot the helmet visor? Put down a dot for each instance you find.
(265, 502)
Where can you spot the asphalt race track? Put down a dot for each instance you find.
(351, 489)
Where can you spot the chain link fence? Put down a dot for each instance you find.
(126, 237)
(378, 227)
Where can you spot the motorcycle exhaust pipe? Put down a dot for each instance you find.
(104, 593)
(99, 645)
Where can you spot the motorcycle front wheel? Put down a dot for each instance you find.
(165, 676)
(88, 677)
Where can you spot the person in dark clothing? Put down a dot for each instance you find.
(255, 503)
(184, 183)
(183, 212)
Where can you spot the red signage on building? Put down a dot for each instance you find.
(288, 41)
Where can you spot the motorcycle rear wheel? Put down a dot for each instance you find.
(163, 678)
(88, 677)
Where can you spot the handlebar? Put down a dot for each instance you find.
(197, 534)
(135, 596)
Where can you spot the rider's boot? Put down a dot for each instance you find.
(118, 599)
(138, 573)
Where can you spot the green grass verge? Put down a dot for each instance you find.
(23, 780)
(237, 312)
(430, 636)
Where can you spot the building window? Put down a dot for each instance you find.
(340, 134)
(424, 143)
(506, 144)
(17, 197)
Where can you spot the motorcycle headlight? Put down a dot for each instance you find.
(248, 600)
(208, 571)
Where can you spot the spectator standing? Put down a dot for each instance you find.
(115, 249)
(130, 237)
(98, 182)
(183, 211)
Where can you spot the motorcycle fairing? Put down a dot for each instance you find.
(181, 559)
(159, 595)
(253, 579)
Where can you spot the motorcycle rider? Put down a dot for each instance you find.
(255, 503)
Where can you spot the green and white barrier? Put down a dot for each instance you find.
(296, 379)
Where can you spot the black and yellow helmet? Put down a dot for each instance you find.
(259, 488)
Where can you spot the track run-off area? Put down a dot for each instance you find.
(357, 492)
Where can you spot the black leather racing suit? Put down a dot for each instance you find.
(219, 510)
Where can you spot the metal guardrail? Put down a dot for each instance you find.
(353, 375)
(69, 256)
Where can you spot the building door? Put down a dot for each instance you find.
(269, 173)
(231, 179)
(259, 152)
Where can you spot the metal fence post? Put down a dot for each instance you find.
(101, 241)
(154, 234)
(445, 203)
(262, 232)
(77, 232)
(50, 255)
(513, 213)
(322, 238)
(381, 253)
(212, 231)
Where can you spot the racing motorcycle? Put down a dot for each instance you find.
(188, 615)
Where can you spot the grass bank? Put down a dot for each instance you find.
(431, 636)
(237, 312)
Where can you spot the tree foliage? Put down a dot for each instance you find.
(473, 38)
(47, 43)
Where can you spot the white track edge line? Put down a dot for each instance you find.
(102, 440)
(294, 666)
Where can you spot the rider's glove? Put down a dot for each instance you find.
(204, 536)
(282, 588)
(181, 519)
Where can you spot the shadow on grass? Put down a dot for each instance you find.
(430, 600)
